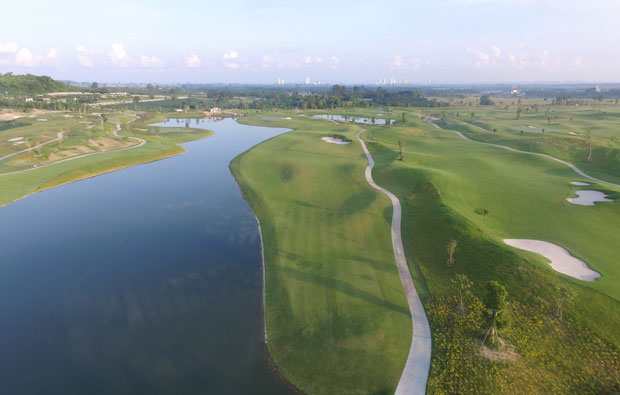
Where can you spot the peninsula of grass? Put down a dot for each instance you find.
(441, 182)
(158, 146)
(336, 314)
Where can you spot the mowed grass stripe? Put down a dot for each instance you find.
(337, 317)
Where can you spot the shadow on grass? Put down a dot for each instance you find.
(342, 287)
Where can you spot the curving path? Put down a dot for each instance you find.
(573, 167)
(415, 374)
(59, 137)
(115, 132)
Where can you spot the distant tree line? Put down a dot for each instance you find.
(29, 84)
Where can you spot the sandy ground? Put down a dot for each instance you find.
(583, 184)
(561, 260)
(333, 140)
(587, 198)
(9, 115)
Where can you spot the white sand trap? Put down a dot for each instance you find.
(19, 142)
(287, 118)
(16, 139)
(573, 133)
(334, 140)
(587, 198)
(42, 119)
(582, 184)
(561, 260)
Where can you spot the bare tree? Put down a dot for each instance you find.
(451, 248)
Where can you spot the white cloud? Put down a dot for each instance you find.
(118, 56)
(333, 63)
(85, 57)
(26, 58)
(230, 54)
(232, 65)
(150, 61)
(51, 55)
(483, 58)
(578, 61)
(192, 60)
(8, 47)
(496, 51)
(398, 61)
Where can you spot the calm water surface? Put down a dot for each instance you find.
(366, 121)
(145, 280)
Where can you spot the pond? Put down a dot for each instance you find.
(144, 280)
(364, 120)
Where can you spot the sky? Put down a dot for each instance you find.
(336, 41)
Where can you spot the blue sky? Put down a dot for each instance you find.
(442, 41)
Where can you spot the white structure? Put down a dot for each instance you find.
(307, 80)
(216, 110)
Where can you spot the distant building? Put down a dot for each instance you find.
(29, 99)
(307, 80)
(216, 110)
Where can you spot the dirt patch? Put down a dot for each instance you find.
(68, 152)
(107, 144)
(508, 353)
(9, 115)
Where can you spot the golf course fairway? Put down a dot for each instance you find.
(337, 317)
(335, 309)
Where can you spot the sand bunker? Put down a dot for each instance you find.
(587, 198)
(580, 183)
(573, 133)
(561, 260)
(16, 139)
(334, 140)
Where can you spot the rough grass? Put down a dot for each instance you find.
(440, 182)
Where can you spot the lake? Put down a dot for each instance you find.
(144, 280)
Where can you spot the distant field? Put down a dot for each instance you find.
(568, 131)
(337, 317)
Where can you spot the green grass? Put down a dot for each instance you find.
(15, 186)
(337, 318)
(601, 122)
(441, 181)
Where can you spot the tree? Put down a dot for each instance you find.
(400, 150)
(519, 112)
(94, 85)
(373, 120)
(462, 284)
(495, 301)
(481, 212)
(472, 115)
(485, 100)
(565, 296)
(404, 119)
(451, 248)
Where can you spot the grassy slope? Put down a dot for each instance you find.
(601, 122)
(337, 317)
(526, 198)
(15, 186)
